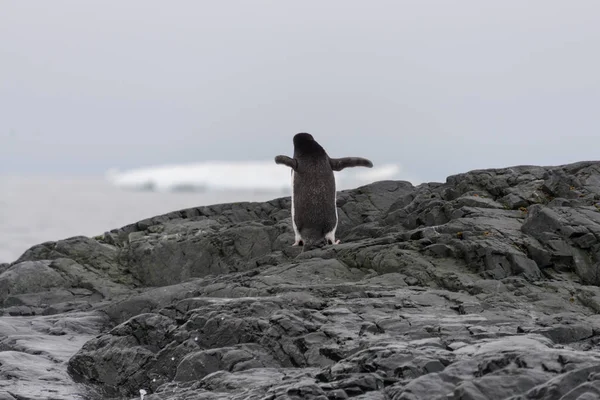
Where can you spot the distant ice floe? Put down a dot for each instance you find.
(255, 176)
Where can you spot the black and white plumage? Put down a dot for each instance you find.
(314, 211)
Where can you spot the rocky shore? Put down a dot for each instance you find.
(481, 288)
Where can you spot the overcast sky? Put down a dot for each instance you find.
(439, 87)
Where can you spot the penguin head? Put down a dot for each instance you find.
(305, 144)
(303, 138)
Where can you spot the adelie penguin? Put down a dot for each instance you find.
(314, 210)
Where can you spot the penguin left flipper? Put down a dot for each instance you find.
(285, 160)
(338, 164)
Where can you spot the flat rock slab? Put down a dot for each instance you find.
(35, 354)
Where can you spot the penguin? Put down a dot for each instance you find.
(314, 210)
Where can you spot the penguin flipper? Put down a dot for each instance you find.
(338, 164)
(285, 160)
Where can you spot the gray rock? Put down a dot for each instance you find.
(199, 364)
(34, 352)
(52, 286)
(483, 287)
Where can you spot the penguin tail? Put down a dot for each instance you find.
(312, 240)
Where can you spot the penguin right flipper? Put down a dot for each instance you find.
(338, 164)
(285, 160)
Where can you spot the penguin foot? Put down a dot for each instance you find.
(298, 243)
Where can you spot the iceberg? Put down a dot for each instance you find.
(255, 176)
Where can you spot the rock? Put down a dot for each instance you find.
(35, 351)
(123, 358)
(482, 287)
(199, 364)
(30, 277)
(51, 286)
(570, 236)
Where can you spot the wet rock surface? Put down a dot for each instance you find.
(484, 287)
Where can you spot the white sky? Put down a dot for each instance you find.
(439, 87)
